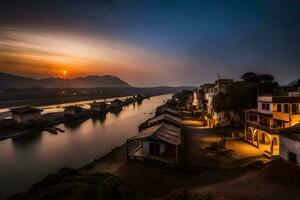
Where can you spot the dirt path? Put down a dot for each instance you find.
(151, 180)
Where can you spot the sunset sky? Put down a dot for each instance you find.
(148, 43)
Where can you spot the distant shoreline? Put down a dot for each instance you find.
(52, 119)
(49, 96)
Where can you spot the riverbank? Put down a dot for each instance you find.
(48, 121)
(151, 180)
(31, 157)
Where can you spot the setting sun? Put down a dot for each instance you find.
(65, 73)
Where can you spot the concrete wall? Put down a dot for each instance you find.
(264, 100)
(289, 145)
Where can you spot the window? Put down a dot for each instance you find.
(286, 108)
(266, 106)
(278, 107)
(295, 108)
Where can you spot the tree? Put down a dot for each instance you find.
(264, 82)
(220, 102)
(239, 96)
(183, 96)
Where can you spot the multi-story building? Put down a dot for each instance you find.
(210, 90)
(273, 113)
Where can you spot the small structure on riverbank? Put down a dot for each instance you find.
(98, 107)
(162, 142)
(116, 104)
(290, 144)
(26, 115)
(73, 111)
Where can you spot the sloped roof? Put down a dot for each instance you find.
(165, 116)
(98, 104)
(167, 133)
(147, 132)
(23, 110)
(165, 108)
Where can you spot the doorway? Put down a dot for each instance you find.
(154, 149)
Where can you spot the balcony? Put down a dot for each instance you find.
(281, 116)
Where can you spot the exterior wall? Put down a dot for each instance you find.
(295, 120)
(97, 108)
(25, 118)
(289, 117)
(288, 145)
(17, 117)
(115, 104)
(281, 116)
(70, 112)
(146, 147)
(264, 100)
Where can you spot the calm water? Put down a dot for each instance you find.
(26, 160)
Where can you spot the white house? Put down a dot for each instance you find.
(290, 145)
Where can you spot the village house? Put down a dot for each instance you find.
(273, 113)
(290, 144)
(161, 142)
(116, 104)
(26, 115)
(98, 106)
(73, 111)
(217, 118)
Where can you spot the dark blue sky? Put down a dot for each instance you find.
(207, 37)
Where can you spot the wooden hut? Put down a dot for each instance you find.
(162, 142)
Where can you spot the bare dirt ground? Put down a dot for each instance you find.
(259, 185)
(196, 169)
(236, 172)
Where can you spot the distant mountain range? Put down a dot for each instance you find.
(13, 81)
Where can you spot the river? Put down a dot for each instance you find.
(26, 160)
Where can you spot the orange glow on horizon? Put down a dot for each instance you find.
(43, 54)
